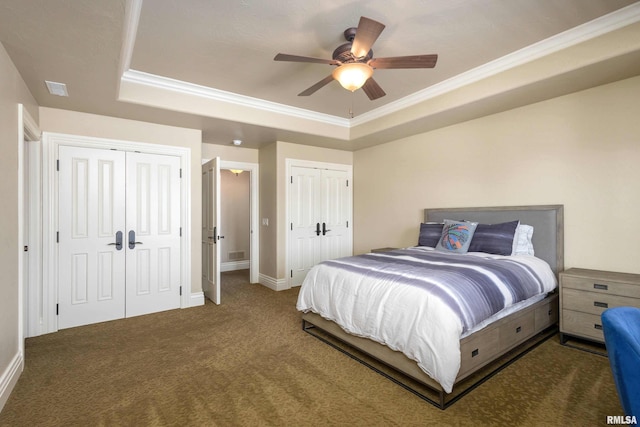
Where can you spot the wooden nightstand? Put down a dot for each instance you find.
(585, 294)
(383, 249)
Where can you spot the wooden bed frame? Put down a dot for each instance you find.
(486, 351)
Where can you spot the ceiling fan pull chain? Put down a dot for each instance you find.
(351, 107)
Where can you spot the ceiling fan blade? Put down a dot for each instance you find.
(415, 61)
(317, 86)
(373, 89)
(367, 33)
(296, 58)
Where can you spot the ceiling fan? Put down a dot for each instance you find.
(355, 62)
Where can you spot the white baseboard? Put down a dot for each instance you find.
(10, 377)
(273, 284)
(235, 265)
(197, 299)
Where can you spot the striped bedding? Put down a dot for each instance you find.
(420, 301)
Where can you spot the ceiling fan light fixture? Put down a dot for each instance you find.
(352, 76)
(236, 171)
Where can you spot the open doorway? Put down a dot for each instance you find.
(229, 245)
(235, 227)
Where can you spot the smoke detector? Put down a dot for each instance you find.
(237, 142)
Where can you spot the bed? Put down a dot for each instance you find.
(341, 299)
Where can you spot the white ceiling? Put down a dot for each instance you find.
(209, 64)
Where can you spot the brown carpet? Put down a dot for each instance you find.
(247, 362)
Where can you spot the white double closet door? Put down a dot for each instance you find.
(119, 234)
(319, 210)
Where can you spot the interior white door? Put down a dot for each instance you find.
(91, 281)
(211, 229)
(336, 211)
(152, 233)
(305, 242)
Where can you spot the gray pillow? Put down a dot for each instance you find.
(456, 236)
(494, 238)
(430, 233)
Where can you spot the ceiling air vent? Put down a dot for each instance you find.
(55, 88)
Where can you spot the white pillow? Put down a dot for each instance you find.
(522, 244)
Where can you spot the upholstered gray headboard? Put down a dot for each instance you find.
(547, 222)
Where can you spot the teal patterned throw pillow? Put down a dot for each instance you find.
(456, 236)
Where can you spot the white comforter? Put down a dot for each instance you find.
(404, 318)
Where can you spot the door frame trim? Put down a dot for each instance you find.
(32, 285)
(28, 130)
(289, 164)
(50, 144)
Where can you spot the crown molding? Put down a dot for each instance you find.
(574, 36)
(133, 8)
(166, 83)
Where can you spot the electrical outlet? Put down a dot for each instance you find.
(265, 221)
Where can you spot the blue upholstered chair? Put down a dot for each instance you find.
(621, 326)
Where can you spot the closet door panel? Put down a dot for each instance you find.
(336, 211)
(153, 233)
(91, 207)
(305, 203)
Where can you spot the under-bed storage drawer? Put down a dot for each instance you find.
(547, 314)
(478, 349)
(517, 330)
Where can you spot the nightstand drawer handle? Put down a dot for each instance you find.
(474, 353)
(601, 304)
(598, 327)
(518, 329)
(601, 287)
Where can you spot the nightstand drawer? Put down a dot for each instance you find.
(594, 302)
(582, 324)
(601, 286)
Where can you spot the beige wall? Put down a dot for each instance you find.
(229, 153)
(268, 209)
(12, 92)
(70, 122)
(581, 150)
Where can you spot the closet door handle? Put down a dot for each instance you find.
(317, 228)
(118, 242)
(324, 229)
(132, 240)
